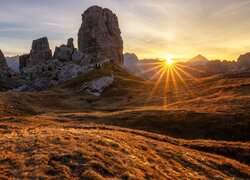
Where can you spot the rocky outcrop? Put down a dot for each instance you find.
(39, 54)
(8, 83)
(70, 43)
(8, 78)
(40, 51)
(63, 53)
(97, 86)
(3, 63)
(24, 61)
(50, 74)
(77, 56)
(100, 34)
(244, 61)
(99, 42)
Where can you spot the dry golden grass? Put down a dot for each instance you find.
(236, 150)
(38, 147)
(62, 133)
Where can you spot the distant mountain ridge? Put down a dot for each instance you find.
(244, 61)
(13, 62)
(197, 61)
(197, 66)
(141, 67)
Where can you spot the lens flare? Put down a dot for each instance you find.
(171, 76)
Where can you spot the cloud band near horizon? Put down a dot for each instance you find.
(151, 29)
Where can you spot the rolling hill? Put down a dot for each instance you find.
(134, 129)
(58, 149)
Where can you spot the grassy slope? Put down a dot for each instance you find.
(213, 108)
(45, 148)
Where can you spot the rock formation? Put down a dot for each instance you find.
(63, 53)
(49, 74)
(244, 61)
(97, 86)
(66, 53)
(77, 56)
(40, 51)
(40, 71)
(3, 63)
(24, 61)
(99, 42)
(8, 78)
(70, 43)
(100, 34)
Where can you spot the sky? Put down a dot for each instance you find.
(180, 29)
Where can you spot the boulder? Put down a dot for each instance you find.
(3, 63)
(97, 86)
(100, 35)
(40, 51)
(77, 56)
(63, 53)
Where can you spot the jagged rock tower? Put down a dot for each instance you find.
(40, 51)
(100, 35)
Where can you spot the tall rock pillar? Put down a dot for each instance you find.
(100, 35)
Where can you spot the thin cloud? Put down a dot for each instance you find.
(149, 28)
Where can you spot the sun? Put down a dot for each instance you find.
(169, 61)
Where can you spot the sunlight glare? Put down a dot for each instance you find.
(169, 61)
